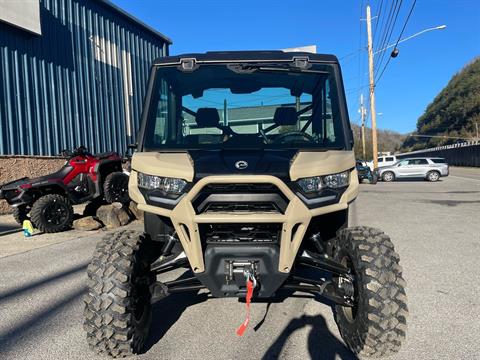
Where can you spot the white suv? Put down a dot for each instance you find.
(385, 160)
(430, 169)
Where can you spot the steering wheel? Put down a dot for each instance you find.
(305, 137)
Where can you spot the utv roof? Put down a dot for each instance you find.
(247, 56)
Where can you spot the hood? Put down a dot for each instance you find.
(245, 162)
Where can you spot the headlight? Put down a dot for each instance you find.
(318, 183)
(169, 185)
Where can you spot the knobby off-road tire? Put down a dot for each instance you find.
(115, 188)
(117, 311)
(20, 213)
(376, 325)
(52, 213)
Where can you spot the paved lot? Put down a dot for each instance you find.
(435, 228)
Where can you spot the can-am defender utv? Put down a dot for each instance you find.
(47, 200)
(245, 171)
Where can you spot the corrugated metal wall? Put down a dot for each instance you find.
(81, 82)
(463, 154)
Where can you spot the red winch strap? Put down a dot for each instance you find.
(241, 329)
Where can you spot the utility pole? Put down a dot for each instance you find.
(363, 113)
(373, 113)
(476, 126)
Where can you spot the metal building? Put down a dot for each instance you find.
(72, 72)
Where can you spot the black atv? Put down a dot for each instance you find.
(47, 200)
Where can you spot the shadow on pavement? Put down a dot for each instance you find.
(7, 228)
(43, 281)
(322, 344)
(166, 312)
(19, 331)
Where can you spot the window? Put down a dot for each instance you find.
(438, 161)
(380, 160)
(389, 159)
(403, 163)
(225, 106)
(418, 162)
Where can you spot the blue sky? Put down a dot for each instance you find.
(411, 81)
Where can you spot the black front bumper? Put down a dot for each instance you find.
(222, 282)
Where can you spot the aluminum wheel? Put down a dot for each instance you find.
(433, 176)
(388, 176)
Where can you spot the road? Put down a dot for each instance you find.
(436, 230)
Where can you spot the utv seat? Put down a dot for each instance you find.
(206, 118)
(285, 116)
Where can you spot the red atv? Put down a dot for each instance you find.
(84, 177)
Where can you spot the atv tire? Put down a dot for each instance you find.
(115, 188)
(52, 213)
(117, 311)
(374, 179)
(376, 325)
(20, 213)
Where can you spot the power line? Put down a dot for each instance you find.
(377, 25)
(399, 37)
(391, 27)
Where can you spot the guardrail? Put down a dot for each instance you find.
(462, 154)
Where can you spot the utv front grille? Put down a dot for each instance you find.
(266, 198)
(240, 233)
(241, 207)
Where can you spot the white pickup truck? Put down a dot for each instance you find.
(384, 160)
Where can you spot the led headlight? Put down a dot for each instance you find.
(318, 183)
(169, 185)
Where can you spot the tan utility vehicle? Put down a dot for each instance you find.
(245, 171)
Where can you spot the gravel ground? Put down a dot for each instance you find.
(434, 226)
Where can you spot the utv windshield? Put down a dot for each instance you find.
(244, 106)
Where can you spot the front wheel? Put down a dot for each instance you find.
(376, 324)
(116, 188)
(117, 311)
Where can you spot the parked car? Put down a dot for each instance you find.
(365, 173)
(384, 160)
(430, 169)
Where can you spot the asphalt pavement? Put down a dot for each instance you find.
(434, 226)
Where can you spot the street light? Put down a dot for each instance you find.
(371, 54)
(395, 53)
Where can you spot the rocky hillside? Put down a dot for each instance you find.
(454, 113)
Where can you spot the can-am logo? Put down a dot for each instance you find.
(242, 164)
